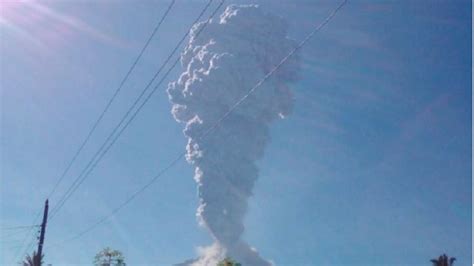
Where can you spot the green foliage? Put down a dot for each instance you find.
(109, 257)
(33, 260)
(443, 260)
(228, 262)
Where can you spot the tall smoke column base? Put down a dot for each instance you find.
(212, 255)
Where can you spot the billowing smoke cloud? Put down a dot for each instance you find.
(222, 64)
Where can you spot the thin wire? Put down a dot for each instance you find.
(17, 230)
(104, 148)
(32, 242)
(10, 247)
(301, 44)
(30, 245)
(101, 116)
(19, 227)
(99, 119)
(13, 234)
(126, 202)
(178, 158)
(20, 249)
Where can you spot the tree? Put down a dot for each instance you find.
(443, 260)
(109, 257)
(228, 262)
(33, 260)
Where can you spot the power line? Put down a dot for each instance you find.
(15, 230)
(19, 232)
(32, 242)
(104, 148)
(301, 44)
(111, 100)
(19, 227)
(21, 247)
(109, 103)
(125, 203)
(209, 131)
(3, 247)
(107, 145)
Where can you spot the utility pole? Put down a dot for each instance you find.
(43, 231)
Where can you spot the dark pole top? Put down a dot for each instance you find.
(43, 231)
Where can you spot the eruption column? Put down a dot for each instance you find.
(222, 64)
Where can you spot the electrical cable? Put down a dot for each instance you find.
(111, 139)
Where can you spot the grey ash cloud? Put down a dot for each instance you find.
(222, 64)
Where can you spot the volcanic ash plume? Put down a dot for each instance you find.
(229, 57)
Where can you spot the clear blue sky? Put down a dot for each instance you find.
(372, 168)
